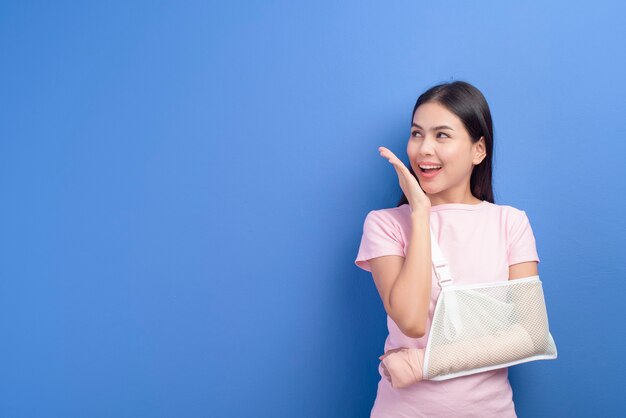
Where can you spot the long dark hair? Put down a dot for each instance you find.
(469, 105)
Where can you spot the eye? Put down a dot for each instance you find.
(417, 133)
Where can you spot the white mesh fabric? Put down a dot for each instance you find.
(485, 327)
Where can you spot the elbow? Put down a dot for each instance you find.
(414, 331)
(414, 328)
(416, 334)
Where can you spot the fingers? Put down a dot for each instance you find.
(382, 357)
(393, 350)
(386, 372)
(395, 161)
(385, 152)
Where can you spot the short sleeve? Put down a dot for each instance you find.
(381, 236)
(521, 241)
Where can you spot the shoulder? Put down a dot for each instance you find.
(508, 214)
(394, 221)
(384, 233)
(519, 237)
(397, 216)
(516, 226)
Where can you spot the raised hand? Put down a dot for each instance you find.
(415, 195)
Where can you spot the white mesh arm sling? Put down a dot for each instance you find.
(476, 328)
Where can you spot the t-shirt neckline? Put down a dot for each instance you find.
(464, 206)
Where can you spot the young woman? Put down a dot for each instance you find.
(448, 188)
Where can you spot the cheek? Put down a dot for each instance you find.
(450, 156)
(411, 152)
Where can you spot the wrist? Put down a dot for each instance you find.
(420, 214)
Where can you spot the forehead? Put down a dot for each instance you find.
(432, 114)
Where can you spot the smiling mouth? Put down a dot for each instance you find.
(429, 170)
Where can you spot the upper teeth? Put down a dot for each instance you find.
(430, 166)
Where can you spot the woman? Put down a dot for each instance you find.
(448, 188)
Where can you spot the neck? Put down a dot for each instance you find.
(450, 197)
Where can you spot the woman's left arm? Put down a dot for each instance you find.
(525, 269)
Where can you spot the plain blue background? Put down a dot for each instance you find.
(184, 186)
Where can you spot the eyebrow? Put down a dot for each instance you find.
(434, 128)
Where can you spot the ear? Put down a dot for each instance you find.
(480, 151)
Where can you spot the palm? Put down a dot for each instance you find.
(411, 188)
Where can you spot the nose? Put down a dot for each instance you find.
(427, 146)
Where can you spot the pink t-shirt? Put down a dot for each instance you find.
(480, 242)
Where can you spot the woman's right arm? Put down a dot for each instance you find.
(404, 283)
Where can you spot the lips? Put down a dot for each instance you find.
(429, 174)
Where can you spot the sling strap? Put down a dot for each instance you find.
(441, 266)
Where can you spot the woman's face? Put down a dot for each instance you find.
(439, 137)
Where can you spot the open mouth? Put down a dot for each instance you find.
(429, 170)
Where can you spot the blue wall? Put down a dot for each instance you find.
(184, 185)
